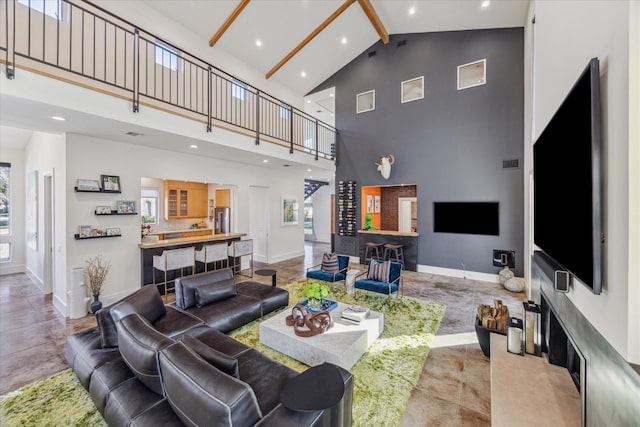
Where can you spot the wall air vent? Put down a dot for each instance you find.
(401, 43)
(372, 53)
(511, 164)
(133, 133)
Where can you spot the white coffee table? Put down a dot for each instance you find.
(342, 345)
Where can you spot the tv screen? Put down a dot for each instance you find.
(466, 218)
(567, 182)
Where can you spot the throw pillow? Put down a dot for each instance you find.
(379, 270)
(226, 364)
(330, 263)
(213, 292)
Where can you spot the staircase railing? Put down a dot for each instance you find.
(89, 46)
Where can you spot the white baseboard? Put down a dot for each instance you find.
(12, 269)
(463, 274)
(354, 259)
(60, 306)
(286, 256)
(39, 283)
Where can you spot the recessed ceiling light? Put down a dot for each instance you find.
(58, 118)
(344, 40)
(331, 114)
(412, 11)
(485, 4)
(193, 146)
(308, 101)
(265, 161)
(258, 42)
(303, 74)
(331, 94)
(310, 176)
(308, 170)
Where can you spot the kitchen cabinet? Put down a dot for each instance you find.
(184, 199)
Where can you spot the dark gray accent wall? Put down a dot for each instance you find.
(451, 143)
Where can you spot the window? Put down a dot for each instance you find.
(149, 205)
(5, 199)
(166, 56)
(5, 252)
(52, 8)
(472, 74)
(366, 101)
(238, 90)
(412, 89)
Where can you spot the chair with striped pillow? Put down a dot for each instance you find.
(332, 269)
(384, 277)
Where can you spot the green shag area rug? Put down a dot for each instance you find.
(383, 377)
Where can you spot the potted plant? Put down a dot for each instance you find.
(314, 293)
(97, 273)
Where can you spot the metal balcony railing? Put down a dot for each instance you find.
(86, 45)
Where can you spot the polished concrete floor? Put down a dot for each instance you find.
(453, 390)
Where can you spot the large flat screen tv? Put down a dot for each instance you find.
(567, 176)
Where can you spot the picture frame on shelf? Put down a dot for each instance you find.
(84, 231)
(110, 183)
(289, 211)
(370, 203)
(126, 206)
(87, 185)
(376, 208)
(103, 210)
(113, 231)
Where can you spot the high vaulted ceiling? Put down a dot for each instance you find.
(281, 25)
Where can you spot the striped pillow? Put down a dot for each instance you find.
(330, 263)
(379, 270)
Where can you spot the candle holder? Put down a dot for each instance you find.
(514, 335)
(532, 333)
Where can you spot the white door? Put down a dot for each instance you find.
(259, 222)
(404, 213)
(48, 234)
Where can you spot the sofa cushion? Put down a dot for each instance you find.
(107, 328)
(216, 339)
(85, 354)
(272, 297)
(216, 291)
(330, 263)
(229, 314)
(129, 400)
(146, 302)
(226, 364)
(176, 322)
(139, 344)
(185, 286)
(106, 378)
(192, 384)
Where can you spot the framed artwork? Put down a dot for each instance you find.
(88, 185)
(103, 210)
(113, 231)
(126, 206)
(84, 231)
(370, 206)
(376, 207)
(32, 210)
(289, 208)
(110, 183)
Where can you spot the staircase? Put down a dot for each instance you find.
(311, 186)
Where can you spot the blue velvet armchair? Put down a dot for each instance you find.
(394, 285)
(318, 274)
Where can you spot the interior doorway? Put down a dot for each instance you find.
(259, 222)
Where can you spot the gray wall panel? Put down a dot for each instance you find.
(451, 143)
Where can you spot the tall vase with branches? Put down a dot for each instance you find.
(96, 272)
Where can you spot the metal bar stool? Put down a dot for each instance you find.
(374, 247)
(237, 250)
(212, 254)
(394, 252)
(174, 259)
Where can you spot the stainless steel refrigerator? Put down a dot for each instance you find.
(223, 221)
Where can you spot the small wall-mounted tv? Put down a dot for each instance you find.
(567, 176)
(467, 218)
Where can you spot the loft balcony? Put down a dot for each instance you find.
(82, 44)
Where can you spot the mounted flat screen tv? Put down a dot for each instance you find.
(466, 218)
(567, 176)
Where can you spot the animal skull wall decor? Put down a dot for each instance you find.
(384, 167)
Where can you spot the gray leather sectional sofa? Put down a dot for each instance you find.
(147, 364)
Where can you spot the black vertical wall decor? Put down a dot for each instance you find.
(452, 143)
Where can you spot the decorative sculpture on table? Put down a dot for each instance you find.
(367, 223)
(384, 167)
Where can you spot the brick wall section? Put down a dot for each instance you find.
(389, 204)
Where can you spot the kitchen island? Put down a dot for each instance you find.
(149, 249)
(409, 241)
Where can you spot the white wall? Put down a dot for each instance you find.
(16, 194)
(45, 153)
(89, 157)
(567, 35)
(322, 212)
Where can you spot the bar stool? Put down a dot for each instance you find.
(374, 247)
(174, 259)
(394, 252)
(213, 254)
(239, 249)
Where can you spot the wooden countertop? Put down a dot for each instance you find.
(186, 230)
(390, 233)
(185, 240)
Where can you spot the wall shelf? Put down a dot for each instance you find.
(77, 237)
(113, 212)
(97, 191)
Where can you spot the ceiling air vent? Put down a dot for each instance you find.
(401, 43)
(131, 133)
(511, 164)
(372, 53)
